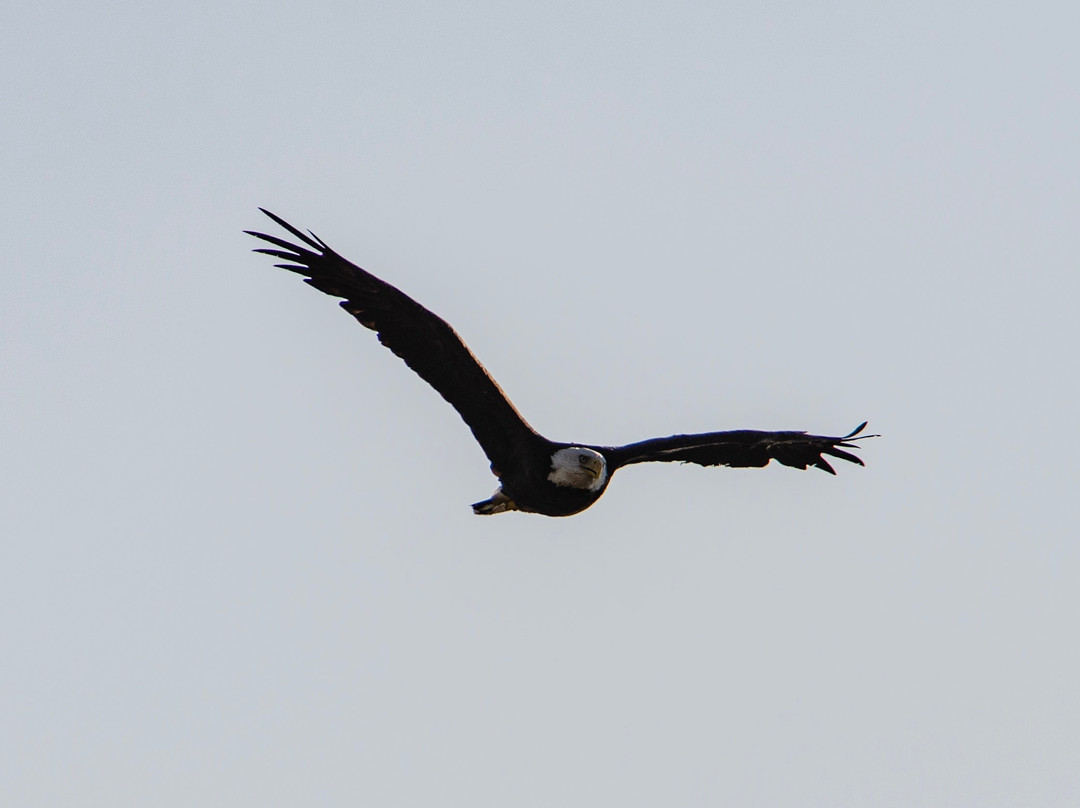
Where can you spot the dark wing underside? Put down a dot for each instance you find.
(741, 448)
(425, 341)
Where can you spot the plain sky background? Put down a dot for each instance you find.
(238, 566)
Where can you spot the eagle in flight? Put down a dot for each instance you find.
(535, 474)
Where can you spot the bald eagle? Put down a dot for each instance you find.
(535, 474)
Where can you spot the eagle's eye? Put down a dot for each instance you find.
(583, 459)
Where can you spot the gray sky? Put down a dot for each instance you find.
(238, 563)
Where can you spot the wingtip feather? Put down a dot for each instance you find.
(848, 456)
(824, 465)
(312, 240)
(855, 431)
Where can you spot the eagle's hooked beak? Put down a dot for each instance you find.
(592, 466)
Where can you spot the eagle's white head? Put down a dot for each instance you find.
(578, 467)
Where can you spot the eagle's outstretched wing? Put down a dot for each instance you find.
(740, 448)
(425, 341)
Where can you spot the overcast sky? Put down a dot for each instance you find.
(237, 560)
